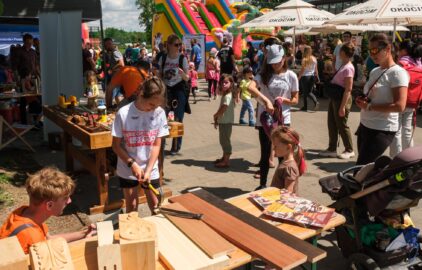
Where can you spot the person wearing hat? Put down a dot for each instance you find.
(280, 86)
(212, 74)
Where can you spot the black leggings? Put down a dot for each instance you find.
(372, 143)
(264, 162)
(306, 85)
(212, 84)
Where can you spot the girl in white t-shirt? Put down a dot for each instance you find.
(308, 76)
(276, 82)
(137, 132)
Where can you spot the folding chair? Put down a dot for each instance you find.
(10, 133)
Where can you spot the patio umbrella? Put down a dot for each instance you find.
(356, 28)
(293, 13)
(300, 31)
(408, 12)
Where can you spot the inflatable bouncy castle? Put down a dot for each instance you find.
(217, 19)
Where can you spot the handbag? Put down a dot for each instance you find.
(332, 90)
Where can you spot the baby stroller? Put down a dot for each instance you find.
(374, 195)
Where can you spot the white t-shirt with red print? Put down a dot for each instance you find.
(138, 130)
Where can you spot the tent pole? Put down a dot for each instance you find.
(394, 30)
(294, 46)
(103, 50)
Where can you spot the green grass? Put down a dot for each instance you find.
(4, 178)
(5, 198)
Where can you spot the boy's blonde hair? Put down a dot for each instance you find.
(48, 184)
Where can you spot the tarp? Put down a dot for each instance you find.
(27, 11)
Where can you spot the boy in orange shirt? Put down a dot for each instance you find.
(49, 193)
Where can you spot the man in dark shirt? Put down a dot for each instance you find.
(227, 60)
(27, 58)
(87, 60)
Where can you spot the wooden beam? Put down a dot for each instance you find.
(121, 203)
(213, 244)
(11, 255)
(176, 251)
(243, 235)
(313, 253)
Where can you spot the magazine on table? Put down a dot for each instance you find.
(284, 205)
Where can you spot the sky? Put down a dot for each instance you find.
(121, 14)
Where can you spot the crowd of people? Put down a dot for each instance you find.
(149, 92)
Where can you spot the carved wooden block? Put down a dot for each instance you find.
(137, 242)
(52, 254)
(12, 256)
(108, 254)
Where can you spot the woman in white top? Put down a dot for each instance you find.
(307, 76)
(385, 95)
(174, 69)
(276, 82)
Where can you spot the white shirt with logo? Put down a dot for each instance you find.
(171, 74)
(280, 85)
(138, 130)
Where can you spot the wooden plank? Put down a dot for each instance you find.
(243, 235)
(313, 253)
(178, 252)
(200, 233)
(121, 203)
(11, 255)
(105, 233)
(243, 202)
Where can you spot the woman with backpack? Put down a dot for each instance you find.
(409, 59)
(384, 97)
(174, 69)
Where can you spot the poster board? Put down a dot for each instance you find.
(201, 41)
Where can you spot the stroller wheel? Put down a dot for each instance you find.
(359, 261)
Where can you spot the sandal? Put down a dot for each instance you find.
(257, 174)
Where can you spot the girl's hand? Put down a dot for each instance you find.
(137, 171)
(269, 108)
(147, 177)
(181, 72)
(91, 230)
(342, 112)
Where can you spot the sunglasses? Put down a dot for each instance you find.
(177, 44)
(375, 51)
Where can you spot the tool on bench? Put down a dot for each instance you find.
(179, 213)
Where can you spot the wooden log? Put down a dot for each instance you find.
(177, 252)
(313, 253)
(243, 235)
(213, 244)
(137, 242)
(11, 255)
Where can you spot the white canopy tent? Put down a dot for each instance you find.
(396, 12)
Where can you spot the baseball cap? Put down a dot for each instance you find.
(275, 53)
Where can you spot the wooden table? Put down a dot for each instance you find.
(300, 232)
(96, 143)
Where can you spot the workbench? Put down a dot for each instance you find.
(301, 232)
(92, 156)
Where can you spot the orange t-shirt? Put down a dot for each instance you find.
(28, 236)
(130, 78)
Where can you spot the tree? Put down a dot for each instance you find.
(146, 16)
(266, 3)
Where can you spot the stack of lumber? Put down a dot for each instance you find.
(248, 232)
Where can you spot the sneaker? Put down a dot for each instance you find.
(346, 155)
(326, 153)
(242, 122)
(252, 123)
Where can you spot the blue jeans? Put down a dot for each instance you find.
(247, 106)
(177, 93)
